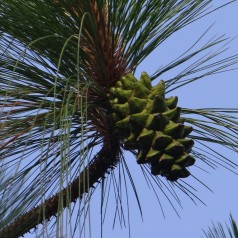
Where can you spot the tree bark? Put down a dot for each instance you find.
(106, 159)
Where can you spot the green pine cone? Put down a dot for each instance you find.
(145, 138)
(137, 104)
(140, 90)
(128, 81)
(171, 102)
(145, 80)
(151, 124)
(159, 89)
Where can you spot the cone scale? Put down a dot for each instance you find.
(148, 122)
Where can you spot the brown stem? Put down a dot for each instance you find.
(106, 159)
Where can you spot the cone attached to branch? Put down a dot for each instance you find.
(151, 124)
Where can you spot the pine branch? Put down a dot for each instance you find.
(107, 158)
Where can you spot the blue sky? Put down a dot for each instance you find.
(217, 91)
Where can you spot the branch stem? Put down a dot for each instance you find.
(107, 158)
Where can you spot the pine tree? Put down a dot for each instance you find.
(71, 104)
